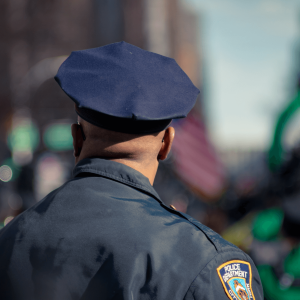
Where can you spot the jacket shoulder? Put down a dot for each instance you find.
(214, 238)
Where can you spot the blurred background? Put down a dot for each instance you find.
(235, 163)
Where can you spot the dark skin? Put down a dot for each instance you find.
(140, 152)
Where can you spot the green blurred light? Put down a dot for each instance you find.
(267, 224)
(58, 137)
(272, 287)
(276, 153)
(292, 263)
(24, 137)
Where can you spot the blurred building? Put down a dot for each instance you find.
(35, 37)
(166, 27)
(32, 31)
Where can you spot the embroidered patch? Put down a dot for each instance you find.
(236, 277)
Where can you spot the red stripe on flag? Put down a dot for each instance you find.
(196, 161)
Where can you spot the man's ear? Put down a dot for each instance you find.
(77, 139)
(166, 143)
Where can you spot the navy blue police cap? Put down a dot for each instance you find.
(123, 88)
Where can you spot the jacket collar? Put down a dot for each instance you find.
(116, 171)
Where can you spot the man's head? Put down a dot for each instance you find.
(125, 98)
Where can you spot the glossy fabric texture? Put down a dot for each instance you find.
(106, 235)
(124, 81)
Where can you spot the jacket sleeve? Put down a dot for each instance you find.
(229, 275)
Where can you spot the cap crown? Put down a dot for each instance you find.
(122, 80)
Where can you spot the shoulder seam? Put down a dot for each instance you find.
(208, 237)
(191, 220)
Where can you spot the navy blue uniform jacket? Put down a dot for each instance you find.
(106, 234)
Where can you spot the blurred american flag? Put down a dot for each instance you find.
(196, 161)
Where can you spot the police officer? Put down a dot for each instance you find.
(106, 234)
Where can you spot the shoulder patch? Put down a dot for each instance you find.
(236, 277)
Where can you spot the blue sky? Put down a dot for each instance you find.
(249, 50)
